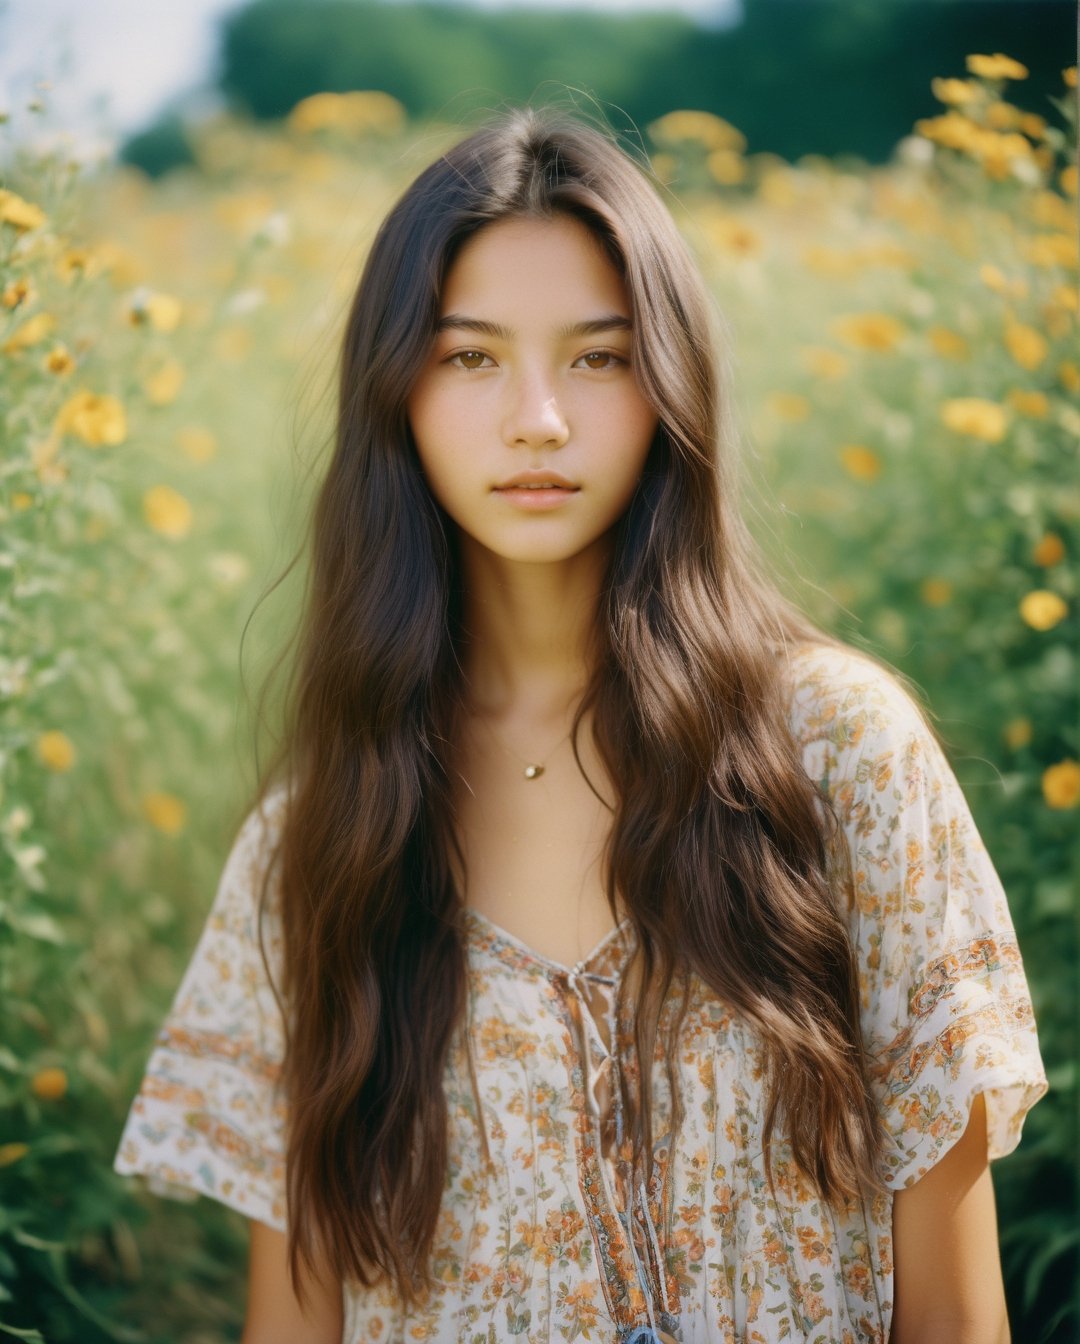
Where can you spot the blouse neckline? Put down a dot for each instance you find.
(499, 939)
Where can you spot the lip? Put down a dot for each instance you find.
(527, 478)
(536, 501)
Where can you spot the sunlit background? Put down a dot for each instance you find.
(882, 195)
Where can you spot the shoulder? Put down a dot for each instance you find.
(246, 891)
(863, 737)
(258, 834)
(837, 695)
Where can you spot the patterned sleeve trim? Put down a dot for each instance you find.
(210, 1116)
(217, 1045)
(181, 1135)
(971, 1030)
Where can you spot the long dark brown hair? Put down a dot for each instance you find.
(719, 842)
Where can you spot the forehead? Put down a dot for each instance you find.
(541, 265)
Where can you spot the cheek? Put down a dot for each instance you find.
(443, 451)
(630, 433)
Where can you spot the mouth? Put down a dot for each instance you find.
(560, 489)
(536, 491)
(538, 481)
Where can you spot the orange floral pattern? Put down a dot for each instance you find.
(542, 1234)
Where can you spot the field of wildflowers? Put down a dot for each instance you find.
(906, 379)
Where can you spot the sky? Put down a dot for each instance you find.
(113, 64)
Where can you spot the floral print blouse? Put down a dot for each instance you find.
(542, 1234)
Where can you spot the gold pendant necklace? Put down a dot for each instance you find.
(533, 769)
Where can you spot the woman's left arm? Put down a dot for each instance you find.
(948, 1287)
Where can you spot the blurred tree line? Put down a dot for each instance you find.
(833, 77)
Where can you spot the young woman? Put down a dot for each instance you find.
(611, 955)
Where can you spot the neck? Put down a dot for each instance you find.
(527, 632)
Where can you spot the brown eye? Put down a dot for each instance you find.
(600, 359)
(470, 359)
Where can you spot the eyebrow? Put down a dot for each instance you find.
(593, 326)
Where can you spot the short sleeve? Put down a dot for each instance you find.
(945, 1007)
(209, 1116)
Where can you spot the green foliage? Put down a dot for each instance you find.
(828, 77)
(162, 146)
(138, 532)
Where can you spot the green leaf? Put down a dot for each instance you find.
(33, 1336)
(1043, 1258)
(38, 925)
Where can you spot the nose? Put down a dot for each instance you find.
(533, 417)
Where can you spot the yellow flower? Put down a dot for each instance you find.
(59, 360)
(976, 417)
(996, 67)
(1049, 250)
(1068, 179)
(888, 254)
(1033, 126)
(21, 501)
(1069, 375)
(726, 167)
(95, 418)
(956, 92)
(948, 344)
(936, 592)
(709, 130)
(12, 1152)
(164, 312)
(20, 214)
(1017, 733)
(665, 167)
(163, 387)
(160, 311)
(44, 458)
(1026, 345)
(994, 278)
(789, 406)
(32, 331)
(1048, 550)
(1069, 76)
(997, 152)
(778, 187)
(167, 512)
(1061, 784)
(1067, 297)
(199, 444)
(830, 261)
(358, 110)
(49, 1084)
(165, 812)
(1042, 609)
(56, 751)
(76, 261)
(19, 291)
(823, 362)
(1002, 116)
(868, 331)
(952, 130)
(860, 462)
(233, 343)
(1035, 404)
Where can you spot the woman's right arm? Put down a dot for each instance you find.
(274, 1315)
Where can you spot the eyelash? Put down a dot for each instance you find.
(615, 358)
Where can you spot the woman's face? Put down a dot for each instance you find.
(529, 376)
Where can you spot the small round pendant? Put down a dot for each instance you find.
(533, 771)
